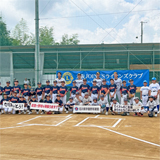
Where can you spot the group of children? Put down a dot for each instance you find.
(82, 94)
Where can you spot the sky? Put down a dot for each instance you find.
(95, 21)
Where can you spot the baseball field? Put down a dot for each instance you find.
(79, 137)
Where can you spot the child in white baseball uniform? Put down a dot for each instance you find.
(144, 91)
(78, 99)
(136, 102)
(114, 102)
(87, 99)
(152, 106)
(5, 98)
(154, 91)
(118, 83)
(125, 100)
(69, 105)
(103, 102)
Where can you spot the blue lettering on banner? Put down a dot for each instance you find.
(137, 75)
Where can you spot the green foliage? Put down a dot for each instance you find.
(21, 35)
(5, 39)
(73, 40)
(46, 36)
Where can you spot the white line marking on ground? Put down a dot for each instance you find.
(129, 136)
(82, 121)
(69, 115)
(14, 127)
(62, 121)
(96, 116)
(117, 123)
(29, 120)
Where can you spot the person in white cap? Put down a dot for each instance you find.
(136, 102)
(103, 102)
(144, 91)
(154, 91)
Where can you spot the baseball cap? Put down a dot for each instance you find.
(86, 93)
(77, 92)
(48, 95)
(62, 81)
(125, 99)
(15, 80)
(84, 79)
(55, 81)
(4, 93)
(123, 81)
(33, 96)
(32, 90)
(144, 81)
(94, 80)
(70, 97)
(130, 80)
(58, 95)
(21, 96)
(104, 80)
(94, 98)
(154, 79)
(15, 92)
(151, 97)
(136, 98)
(47, 81)
(25, 84)
(79, 74)
(114, 99)
(8, 82)
(101, 95)
(74, 82)
(39, 83)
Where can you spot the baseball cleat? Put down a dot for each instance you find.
(30, 113)
(106, 113)
(127, 114)
(42, 113)
(66, 111)
(24, 112)
(155, 115)
(37, 112)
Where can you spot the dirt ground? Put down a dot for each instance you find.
(76, 137)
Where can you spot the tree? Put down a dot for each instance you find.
(21, 35)
(5, 39)
(46, 36)
(73, 40)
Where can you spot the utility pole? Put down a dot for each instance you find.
(142, 31)
(37, 55)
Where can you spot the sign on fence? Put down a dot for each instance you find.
(137, 75)
(15, 106)
(126, 108)
(86, 109)
(44, 106)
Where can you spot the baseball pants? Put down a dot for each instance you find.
(119, 96)
(82, 94)
(63, 100)
(73, 95)
(144, 100)
(27, 99)
(39, 97)
(123, 97)
(157, 100)
(112, 94)
(54, 97)
(1, 98)
(131, 100)
(94, 96)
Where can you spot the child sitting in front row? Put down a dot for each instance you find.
(69, 105)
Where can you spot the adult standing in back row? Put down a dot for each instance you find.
(98, 79)
(59, 79)
(118, 83)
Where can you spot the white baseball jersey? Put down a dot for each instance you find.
(79, 82)
(87, 100)
(103, 102)
(118, 83)
(59, 81)
(99, 81)
(144, 90)
(72, 103)
(151, 104)
(154, 87)
(77, 101)
(137, 104)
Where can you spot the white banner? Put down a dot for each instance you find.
(86, 109)
(15, 106)
(44, 106)
(126, 108)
